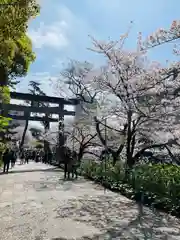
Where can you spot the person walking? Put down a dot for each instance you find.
(6, 160)
(22, 157)
(13, 158)
(27, 157)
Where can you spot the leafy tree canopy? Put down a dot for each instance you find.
(5, 94)
(14, 17)
(15, 46)
(5, 98)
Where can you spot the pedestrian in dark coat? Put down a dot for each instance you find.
(13, 158)
(6, 160)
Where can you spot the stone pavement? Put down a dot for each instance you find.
(35, 204)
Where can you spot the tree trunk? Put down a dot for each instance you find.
(24, 135)
(173, 158)
(129, 146)
(81, 153)
(3, 77)
(115, 157)
(115, 153)
(25, 128)
(140, 152)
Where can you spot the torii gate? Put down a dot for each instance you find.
(34, 108)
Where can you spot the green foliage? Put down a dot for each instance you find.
(2, 147)
(3, 122)
(39, 146)
(16, 56)
(158, 184)
(15, 46)
(14, 16)
(35, 88)
(5, 97)
(5, 94)
(20, 57)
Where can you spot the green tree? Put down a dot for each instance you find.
(14, 15)
(5, 98)
(39, 146)
(35, 89)
(15, 46)
(16, 57)
(16, 53)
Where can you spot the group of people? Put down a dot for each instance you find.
(35, 155)
(71, 162)
(68, 158)
(9, 156)
(26, 154)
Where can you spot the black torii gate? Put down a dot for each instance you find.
(35, 108)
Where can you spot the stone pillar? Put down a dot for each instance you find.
(47, 149)
(46, 123)
(60, 134)
(61, 125)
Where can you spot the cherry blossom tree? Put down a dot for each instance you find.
(145, 94)
(162, 36)
(94, 111)
(112, 140)
(141, 97)
(82, 137)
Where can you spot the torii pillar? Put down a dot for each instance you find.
(60, 134)
(61, 126)
(47, 149)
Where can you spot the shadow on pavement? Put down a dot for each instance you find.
(120, 219)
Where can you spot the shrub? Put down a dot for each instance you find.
(158, 184)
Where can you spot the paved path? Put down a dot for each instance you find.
(35, 204)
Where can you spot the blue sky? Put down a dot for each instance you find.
(61, 31)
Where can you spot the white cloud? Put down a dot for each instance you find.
(60, 29)
(53, 35)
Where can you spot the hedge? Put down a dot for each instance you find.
(157, 184)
